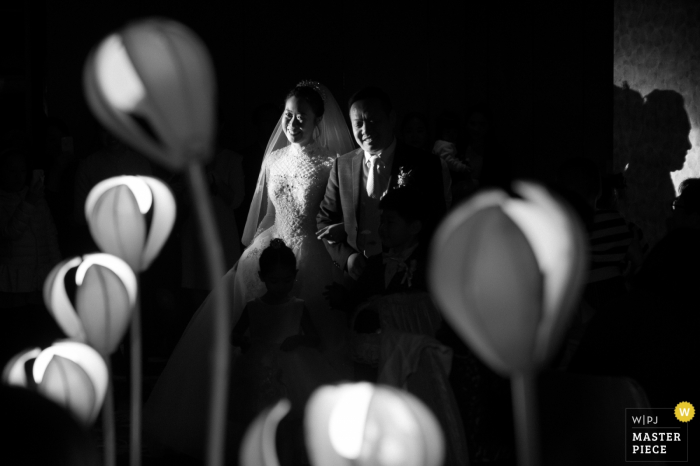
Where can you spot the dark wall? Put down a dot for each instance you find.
(541, 68)
(22, 60)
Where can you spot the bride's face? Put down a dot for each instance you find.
(299, 121)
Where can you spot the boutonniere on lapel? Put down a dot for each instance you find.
(403, 178)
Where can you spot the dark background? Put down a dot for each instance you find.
(543, 67)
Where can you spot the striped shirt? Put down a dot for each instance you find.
(610, 240)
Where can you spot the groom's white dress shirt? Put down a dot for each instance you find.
(368, 229)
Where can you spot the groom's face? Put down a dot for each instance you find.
(372, 126)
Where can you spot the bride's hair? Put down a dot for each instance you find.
(309, 94)
(277, 253)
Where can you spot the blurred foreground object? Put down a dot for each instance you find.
(365, 424)
(116, 211)
(106, 290)
(258, 447)
(70, 373)
(153, 84)
(105, 298)
(508, 272)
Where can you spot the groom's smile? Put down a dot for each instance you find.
(372, 126)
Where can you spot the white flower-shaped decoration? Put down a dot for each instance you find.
(258, 446)
(105, 297)
(153, 85)
(508, 272)
(365, 424)
(116, 211)
(70, 373)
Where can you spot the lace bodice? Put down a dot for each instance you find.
(296, 184)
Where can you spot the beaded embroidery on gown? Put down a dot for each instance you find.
(296, 184)
(175, 413)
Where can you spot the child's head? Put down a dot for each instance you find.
(278, 268)
(403, 219)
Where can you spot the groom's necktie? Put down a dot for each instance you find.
(376, 177)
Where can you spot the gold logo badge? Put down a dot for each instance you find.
(684, 411)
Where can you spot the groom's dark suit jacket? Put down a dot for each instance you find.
(342, 200)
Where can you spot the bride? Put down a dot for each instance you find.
(310, 134)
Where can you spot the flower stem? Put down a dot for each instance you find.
(526, 419)
(136, 374)
(108, 428)
(211, 242)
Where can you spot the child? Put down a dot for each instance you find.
(447, 129)
(278, 341)
(272, 323)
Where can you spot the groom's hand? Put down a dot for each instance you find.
(333, 233)
(356, 265)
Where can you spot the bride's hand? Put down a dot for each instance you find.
(332, 233)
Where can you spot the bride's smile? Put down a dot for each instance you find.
(299, 121)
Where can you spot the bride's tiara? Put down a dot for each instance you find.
(315, 85)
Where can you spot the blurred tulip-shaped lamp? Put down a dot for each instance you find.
(70, 373)
(116, 211)
(507, 273)
(105, 297)
(152, 84)
(362, 424)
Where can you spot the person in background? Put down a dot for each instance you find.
(28, 252)
(489, 161)
(610, 237)
(447, 130)
(642, 335)
(414, 131)
(665, 270)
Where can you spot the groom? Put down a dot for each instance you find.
(348, 220)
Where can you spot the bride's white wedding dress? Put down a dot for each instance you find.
(291, 187)
(296, 184)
